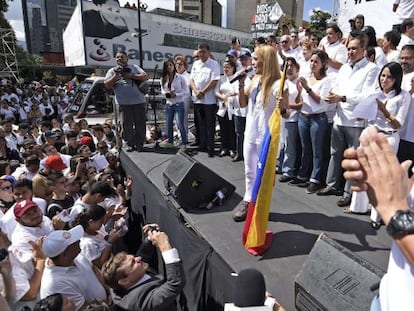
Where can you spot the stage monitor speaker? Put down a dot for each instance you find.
(333, 278)
(192, 184)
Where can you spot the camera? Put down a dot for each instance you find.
(121, 225)
(122, 69)
(3, 253)
(168, 95)
(152, 228)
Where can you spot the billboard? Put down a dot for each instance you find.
(107, 29)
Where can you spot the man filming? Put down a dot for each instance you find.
(124, 79)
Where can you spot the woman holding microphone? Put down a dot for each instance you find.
(261, 98)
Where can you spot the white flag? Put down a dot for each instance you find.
(276, 13)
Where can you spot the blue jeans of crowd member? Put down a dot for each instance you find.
(240, 126)
(170, 111)
(292, 149)
(313, 131)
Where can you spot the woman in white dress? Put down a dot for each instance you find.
(261, 98)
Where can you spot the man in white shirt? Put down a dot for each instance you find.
(354, 82)
(403, 9)
(407, 33)
(29, 264)
(204, 76)
(67, 271)
(336, 51)
(406, 147)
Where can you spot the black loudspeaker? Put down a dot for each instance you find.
(333, 278)
(193, 185)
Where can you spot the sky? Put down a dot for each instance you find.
(15, 16)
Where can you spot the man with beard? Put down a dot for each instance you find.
(123, 79)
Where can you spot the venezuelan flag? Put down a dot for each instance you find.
(256, 239)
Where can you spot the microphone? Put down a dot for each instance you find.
(218, 198)
(249, 289)
(156, 67)
(241, 74)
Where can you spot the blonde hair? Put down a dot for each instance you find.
(270, 71)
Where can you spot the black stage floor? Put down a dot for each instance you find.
(296, 220)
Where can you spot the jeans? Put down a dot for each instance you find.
(313, 136)
(240, 126)
(292, 149)
(177, 109)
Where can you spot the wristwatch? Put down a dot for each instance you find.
(401, 223)
(343, 99)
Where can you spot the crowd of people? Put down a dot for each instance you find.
(65, 243)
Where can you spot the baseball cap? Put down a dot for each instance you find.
(86, 140)
(245, 54)
(57, 241)
(8, 178)
(50, 133)
(55, 162)
(23, 206)
(232, 53)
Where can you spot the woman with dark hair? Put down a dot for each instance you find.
(227, 93)
(393, 104)
(371, 40)
(173, 87)
(292, 140)
(313, 124)
(55, 302)
(391, 40)
(95, 245)
(359, 22)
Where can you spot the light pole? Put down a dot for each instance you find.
(141, 61)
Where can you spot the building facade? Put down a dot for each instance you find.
(207, 11)
(44, 23)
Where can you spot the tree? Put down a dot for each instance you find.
(4, 5)
(318, 22)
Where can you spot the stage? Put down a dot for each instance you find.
(209, 241)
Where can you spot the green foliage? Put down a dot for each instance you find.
(4, 5)
(318, 22)
(288, 21)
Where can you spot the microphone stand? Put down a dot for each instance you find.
(152, 99)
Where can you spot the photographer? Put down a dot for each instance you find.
(134, 288)
(124, 79)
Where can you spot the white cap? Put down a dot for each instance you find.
(57, 241)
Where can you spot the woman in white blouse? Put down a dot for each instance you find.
(313, 124)
(393, 104)
(226, 93)
(174, 88)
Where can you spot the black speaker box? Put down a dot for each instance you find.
(333, 278)
(192, 184)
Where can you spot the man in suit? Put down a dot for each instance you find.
(135, 288)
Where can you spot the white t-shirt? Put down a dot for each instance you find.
(405, 10)
(397, 285)
(407, 130)
(92, 246)
(258, 115)
(202, 74)
(78, 282)
(8, 221)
